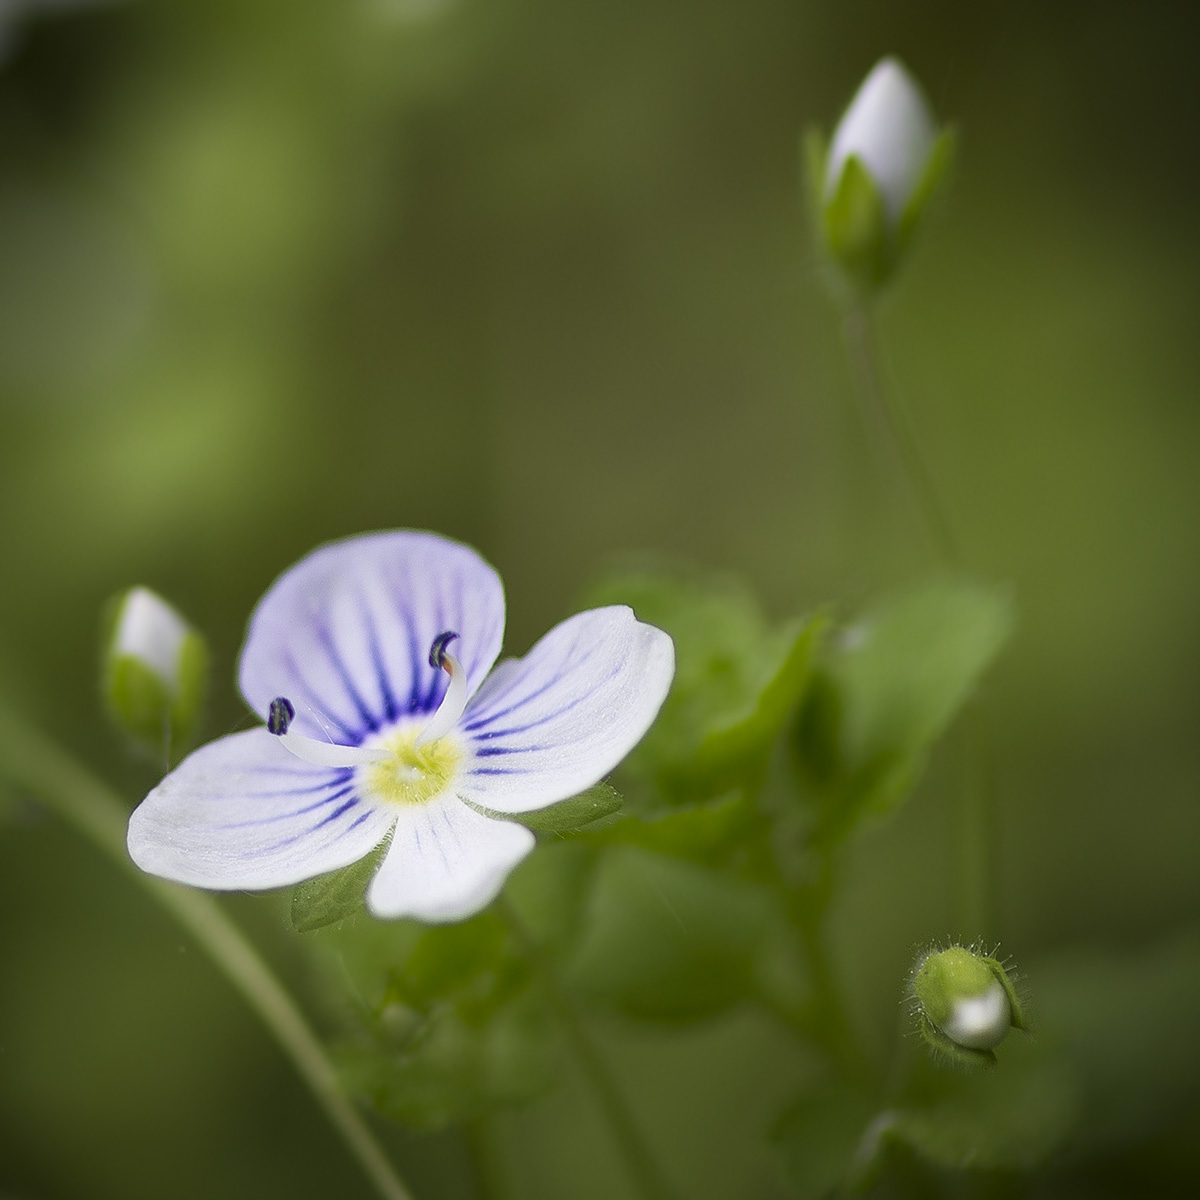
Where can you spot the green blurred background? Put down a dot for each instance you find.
(536, 275)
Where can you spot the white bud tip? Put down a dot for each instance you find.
(980, 1022)
(150, 630)
(890, 128)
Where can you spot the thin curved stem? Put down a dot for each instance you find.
(643, 1166)
(31, 761)
(881, 403)
(977, 800)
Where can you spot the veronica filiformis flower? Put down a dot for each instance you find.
(372, 661)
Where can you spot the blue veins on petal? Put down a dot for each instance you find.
(370, 659)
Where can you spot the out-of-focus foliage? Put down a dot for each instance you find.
(887, 689)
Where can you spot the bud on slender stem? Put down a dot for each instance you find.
(155, 671)
(873, 182)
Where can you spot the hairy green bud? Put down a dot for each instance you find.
(965, 1003)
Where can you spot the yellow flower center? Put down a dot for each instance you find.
(412, 775)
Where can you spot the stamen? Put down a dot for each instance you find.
(454, 701)
(320, 754)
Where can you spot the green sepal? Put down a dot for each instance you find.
(856, 228)
(594, 809)
(162, 722)
(334, 896)
(886, 689)
(814, 152)
(737, 682)
(939, 1043)
(937, 168)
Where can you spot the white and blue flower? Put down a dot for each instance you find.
(372, 660)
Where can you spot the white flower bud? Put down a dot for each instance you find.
(155, 671)
(150, 630)
(872, 186)
(889, 128)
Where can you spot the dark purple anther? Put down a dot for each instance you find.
(437, 652)
(280, 716)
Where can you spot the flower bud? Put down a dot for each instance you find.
(965, 1003)
(155, 671)
(882, 166)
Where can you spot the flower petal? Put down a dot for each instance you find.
(345, 633)
(445, 862)
(244, 813)
(556, 721)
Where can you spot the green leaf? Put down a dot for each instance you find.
(334, 896)
(667, 939)
(549, 891)
(704, 831)
(818, 1136)
(737, 682)
(451, 1065)
(595, 808)
(468, 958)
(1012, 1118)
(887, 688)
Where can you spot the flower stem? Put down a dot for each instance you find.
(643, 1166)
(976, 800)
(31, 761)
(883, 407)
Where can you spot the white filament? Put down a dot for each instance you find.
(451, 707)
(327, 754)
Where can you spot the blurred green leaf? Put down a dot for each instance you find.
(887, 688)
(667, 939)
(549, 891)
(444, 1021)
(737, 680)
(335, 895)
(818, 1137)
(594, 808)
(1113, 1062)
(452, 1064)
(703, 831)
(1011, 1118)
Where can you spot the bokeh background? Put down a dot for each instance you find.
(536, 275)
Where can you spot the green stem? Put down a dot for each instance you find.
(882, 405)
(977, 799)
(488, 1159)
(644, 1168)
(30, 761)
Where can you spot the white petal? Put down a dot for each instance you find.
(445, 862)
(345, 633)
(244, 813)
(556, 721)
(890, 129)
